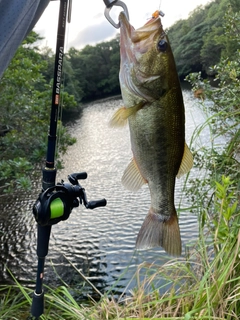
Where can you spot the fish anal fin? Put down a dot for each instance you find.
(158, 230)
(187, 162)
(119, 118)
(132, 178)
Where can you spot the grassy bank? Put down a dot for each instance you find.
(205, 284)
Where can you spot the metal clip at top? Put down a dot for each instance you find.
(109, 4)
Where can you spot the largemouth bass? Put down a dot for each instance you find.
(154, 109)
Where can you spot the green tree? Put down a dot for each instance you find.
(69, 85)
(200, 41)
(224, 118)
(186, 38)
(95, 70)
(25, 100)
(214, 41)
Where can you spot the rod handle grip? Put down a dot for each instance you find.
(37, 307)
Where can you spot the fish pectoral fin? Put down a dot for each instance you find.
(187, 162)
(119, 119)
(132, 178)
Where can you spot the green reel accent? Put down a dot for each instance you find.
(56, 208)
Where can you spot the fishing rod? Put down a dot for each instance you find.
(56, 201)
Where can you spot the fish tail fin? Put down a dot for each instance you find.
(158, 230)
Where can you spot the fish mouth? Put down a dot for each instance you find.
(142, 37)
(133, 44)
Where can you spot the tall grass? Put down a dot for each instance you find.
(205, 284)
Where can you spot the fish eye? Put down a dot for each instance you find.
(162, 45)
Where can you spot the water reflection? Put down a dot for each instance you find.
(101, 242)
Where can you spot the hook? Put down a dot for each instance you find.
(109, 4)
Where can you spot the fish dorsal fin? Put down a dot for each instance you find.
(187, 162)
(119, 119)
(132, 178)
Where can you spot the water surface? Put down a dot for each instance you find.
(100, 243)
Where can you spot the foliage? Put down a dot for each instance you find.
(25, 99)
(200, 41)
(223, 109)
(95, 70)
(218, 193)
(90, 73)
(225, 220)
(186, 38)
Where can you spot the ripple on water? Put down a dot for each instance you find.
(100, 243)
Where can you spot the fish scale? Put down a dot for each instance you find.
(154, 109)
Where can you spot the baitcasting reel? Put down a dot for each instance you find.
(56, 203)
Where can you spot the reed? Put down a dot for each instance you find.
(205, 284)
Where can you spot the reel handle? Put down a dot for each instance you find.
(96, 203)
(74, 177)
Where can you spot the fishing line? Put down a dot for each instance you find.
(160, 4)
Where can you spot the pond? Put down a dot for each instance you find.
(100, 242)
